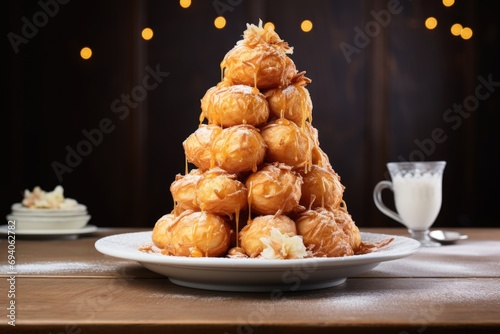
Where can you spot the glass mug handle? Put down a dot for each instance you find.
(377, 198)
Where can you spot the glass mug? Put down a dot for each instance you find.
(417, 188)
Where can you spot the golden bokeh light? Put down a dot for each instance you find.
(466, 33)
(269, 25)
(448, 3)
(185, 3)
(147, 33)
(456, 29)
(306, 26)
(86, 53)
(431, 23)
(220, 22)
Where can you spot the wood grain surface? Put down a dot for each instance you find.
(101, 294)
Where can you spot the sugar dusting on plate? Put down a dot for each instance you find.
(60, 267)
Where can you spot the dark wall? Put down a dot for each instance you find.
(379, 104)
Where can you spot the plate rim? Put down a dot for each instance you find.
(250, 263)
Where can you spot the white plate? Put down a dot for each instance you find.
(19, 209)
(87, 229)
(24, 223)
(231, 274)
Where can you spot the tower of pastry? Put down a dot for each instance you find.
(260, 185)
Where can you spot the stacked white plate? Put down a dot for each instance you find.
(49, 219)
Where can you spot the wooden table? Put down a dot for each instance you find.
(66, 286)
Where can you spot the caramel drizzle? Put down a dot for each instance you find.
(250, 199)
(256, 69)
(237, 222)
(212, 151)
(310, 146)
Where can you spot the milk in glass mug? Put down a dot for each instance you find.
(417, 188)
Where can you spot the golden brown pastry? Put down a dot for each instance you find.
(344, 220)
(321, 233)
(260, 227)
(320, 158)
(233, 105)
(221, 193)
(259, 60)
(321, 188)
(197, 146)
(207, 97)
(198, 234)
(287, 143)
(239, 148)
(161, 234)
(274, 189)
(292, 102)
(183, 191)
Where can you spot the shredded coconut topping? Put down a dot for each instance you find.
(41, 199)
(255, 35)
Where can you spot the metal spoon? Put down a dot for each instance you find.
(447, 237)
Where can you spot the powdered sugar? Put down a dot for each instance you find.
(60, 267)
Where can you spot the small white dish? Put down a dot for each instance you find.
(24, 223)
(4, 229)
(246, 274)
(19, 210)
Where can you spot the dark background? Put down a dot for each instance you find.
(374, 109)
